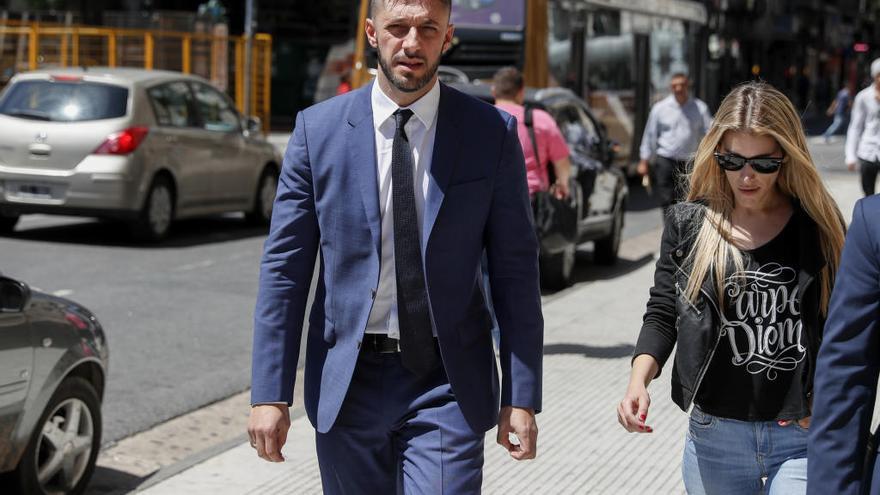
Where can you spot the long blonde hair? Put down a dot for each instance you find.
(760, 109)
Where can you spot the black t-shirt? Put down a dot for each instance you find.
(758, 370)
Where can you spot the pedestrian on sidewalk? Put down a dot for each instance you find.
(741, 286)
(863, 134)
(839, 111)
(399, 187)
(548, 148)
(848, 367)
(674, 129)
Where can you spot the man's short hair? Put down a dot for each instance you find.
(375, 4)
(508, 82)
(677, 75)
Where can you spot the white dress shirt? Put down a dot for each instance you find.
(421, 130)
(674, 131)
(863, 134)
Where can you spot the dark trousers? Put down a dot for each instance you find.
(399, 434)
(669, 180)
(868, 171)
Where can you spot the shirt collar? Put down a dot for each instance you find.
(424, 109)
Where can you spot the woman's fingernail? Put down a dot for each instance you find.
(643, 417)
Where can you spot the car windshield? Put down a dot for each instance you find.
(64, 101)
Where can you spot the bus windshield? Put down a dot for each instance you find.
(492, 14)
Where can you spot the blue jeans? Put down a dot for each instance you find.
(836, 124)
(725, 456)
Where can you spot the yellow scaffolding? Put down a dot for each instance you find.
(34, 46)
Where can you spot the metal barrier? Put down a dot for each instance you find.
(218, 58)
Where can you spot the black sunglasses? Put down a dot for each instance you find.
(734, 162)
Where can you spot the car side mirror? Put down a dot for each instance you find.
(253, 125)
(14, 295)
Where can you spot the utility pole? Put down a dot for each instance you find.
(248, 53)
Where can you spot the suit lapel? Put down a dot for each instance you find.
(444, 158)
(362, 157)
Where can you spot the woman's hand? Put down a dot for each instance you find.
(803, 422)
(632, 412)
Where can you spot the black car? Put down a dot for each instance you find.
(53, 364)
(599, 191)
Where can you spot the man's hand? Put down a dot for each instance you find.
(642, 169)
(520, 422)
(851, 166)
(267, 429)
(560, 189)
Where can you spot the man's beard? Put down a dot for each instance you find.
(407, 85)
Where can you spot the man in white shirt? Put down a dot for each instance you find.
(674, 129)
(399, 187)
(863, 134)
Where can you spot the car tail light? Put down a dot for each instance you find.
(122, 143)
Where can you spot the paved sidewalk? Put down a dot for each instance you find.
(589, 337)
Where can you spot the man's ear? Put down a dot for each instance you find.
(447, 40)
(370, 29)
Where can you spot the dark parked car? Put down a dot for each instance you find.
(599, 191)
(53, 364)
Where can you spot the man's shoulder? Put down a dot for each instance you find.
(865, 93)
(870, 206)
(470, 108)
(701, 104)
(336, 107)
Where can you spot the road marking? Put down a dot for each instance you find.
(62, 293)
(194, 266)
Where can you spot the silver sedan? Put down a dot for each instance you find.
(145, 146)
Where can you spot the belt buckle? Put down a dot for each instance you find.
(388, 349)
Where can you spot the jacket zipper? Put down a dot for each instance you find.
(705, 367)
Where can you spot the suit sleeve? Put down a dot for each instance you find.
(285, 276)
(512, 249)
(847, 367)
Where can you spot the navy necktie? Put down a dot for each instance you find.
(417, 351)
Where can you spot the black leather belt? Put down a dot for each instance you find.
(380, 342)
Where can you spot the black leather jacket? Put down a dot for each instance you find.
(670, 318)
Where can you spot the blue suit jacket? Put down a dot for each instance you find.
(328, 204)
(848, 364)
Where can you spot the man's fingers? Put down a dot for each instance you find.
(503, 439)
(273, 450)
(261, 447)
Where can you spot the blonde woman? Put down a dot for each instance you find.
(742, 287)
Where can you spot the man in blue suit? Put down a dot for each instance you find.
(848, 365)
(399, 187)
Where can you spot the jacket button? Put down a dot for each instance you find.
(679, 253)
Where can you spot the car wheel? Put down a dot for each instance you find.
(158, 212)
(60, 456)
(7, 223)
(605, 252)
(556, 269)
(261, 214)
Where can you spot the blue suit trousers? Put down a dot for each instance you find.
(399, 433)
